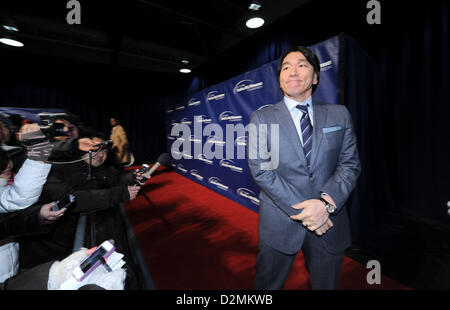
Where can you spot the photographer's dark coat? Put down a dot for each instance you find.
(106, 188)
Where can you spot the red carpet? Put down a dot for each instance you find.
(195, 239)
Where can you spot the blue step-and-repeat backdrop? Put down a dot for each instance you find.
(207, 134)
(31, 114)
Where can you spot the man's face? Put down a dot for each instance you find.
(113, 122)
(66, 129)
(98, 158)
(73, 131)
(297, 77)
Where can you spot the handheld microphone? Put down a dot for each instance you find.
(163, 160)
(143, 169)
(104, 143)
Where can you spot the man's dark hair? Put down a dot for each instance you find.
(310, 57)
(73, 119)
(16, 120)
(90, 132)
(116, 118)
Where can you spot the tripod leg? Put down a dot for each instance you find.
(151, 203)
(148, 199)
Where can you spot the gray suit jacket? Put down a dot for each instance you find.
(335, 167)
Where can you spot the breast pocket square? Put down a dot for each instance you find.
(331, 129)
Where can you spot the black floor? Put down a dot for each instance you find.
(413, 251)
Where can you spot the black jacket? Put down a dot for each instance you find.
(94, 188)
(105, 189)
(23, 222)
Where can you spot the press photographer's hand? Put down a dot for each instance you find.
(48, 215)
(86, 145)
(139, 177)
(133, 191)
(26, 129)
(37, 144)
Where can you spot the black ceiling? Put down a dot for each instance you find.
(152, 35)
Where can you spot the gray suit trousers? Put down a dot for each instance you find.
(273, 267)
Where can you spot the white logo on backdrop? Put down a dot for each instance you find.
(213, 139)
(202, 119)
(241, 141)
(196, 174)
(214, 96)
(230, 164)
(181, 168)
(193, 102)
(246, 85)
(326, 65)
(203, 158)
(229, 116)
(245, 192)
(180, 107)
(217, 182)
(187, 156)
(193, 139)
(184, 120)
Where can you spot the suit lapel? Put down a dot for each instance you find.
(320, 117)
(287, 129)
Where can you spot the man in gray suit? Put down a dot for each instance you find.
(303, 189)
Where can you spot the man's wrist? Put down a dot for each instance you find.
(328, 205)
(327, 197)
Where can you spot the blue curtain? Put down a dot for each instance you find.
(398, 96)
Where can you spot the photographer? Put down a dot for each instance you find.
(28, 182)
(35, 220)
(96, 185)
(9, 139)
(32, 220)
(16, 215)
(65, 127)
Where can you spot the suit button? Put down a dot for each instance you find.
(310, 175)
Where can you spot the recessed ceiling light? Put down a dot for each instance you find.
(185, 70)
(254, 7)
(11, 42)
(10, 28)
(185, 61)
(255, 22)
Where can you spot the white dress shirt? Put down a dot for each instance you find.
(296, 114)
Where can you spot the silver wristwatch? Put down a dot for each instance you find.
(330, 207)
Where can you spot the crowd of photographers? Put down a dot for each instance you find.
(40, 167)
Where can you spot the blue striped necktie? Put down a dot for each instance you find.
(307, 130)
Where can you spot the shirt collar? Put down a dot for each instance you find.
(291, 103)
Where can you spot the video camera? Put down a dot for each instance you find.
(49, 127)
